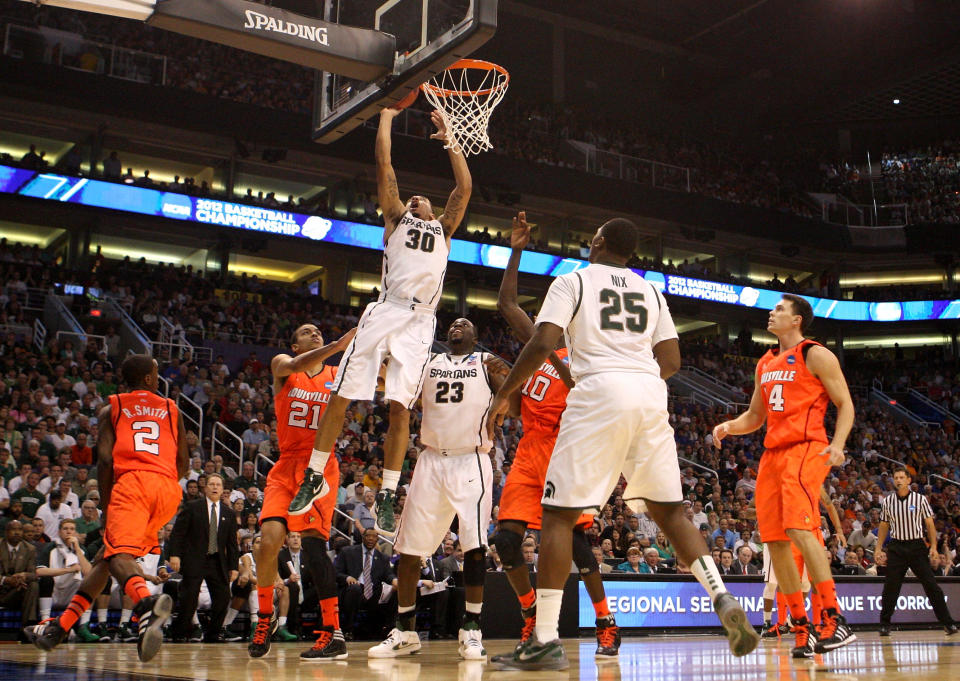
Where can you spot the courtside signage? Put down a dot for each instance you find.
(280, 222)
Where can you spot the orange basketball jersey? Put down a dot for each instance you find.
(543, 399)
(146, 427)
(796, 400)
(299, 406)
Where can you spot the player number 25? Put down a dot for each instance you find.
(423, 241)
(146, 436)
(298, 415)
(776, 397)
(615, 303)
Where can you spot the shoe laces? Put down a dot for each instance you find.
(262, 631)
(607, 636)
(775, 628)
(324, 638)
(529, 624)
(829, 626)
(42, 625)
(803, 634)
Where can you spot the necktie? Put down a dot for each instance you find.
(212, 540)
(367, 578)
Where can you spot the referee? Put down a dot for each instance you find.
(904, 515)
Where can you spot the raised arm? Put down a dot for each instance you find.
(456, 206)
(311, 361)
(387, 191)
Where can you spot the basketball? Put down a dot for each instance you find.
(408, 100)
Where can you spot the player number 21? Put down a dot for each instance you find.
(145, 437)
(298, 415)
(776, 397)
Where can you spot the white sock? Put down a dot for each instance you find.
(85, 617)
(283, 620)
(706, 572)
(548, 614)
(125, 616)
(102, 616)
(196, 620)
(254, 618)
(46, 605)
(390, 480)
(231, 615)
(474, 607)
(318, 460)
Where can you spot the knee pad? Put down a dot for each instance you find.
(508, 545)
(583, 554)
(322, 572)
(474, 569)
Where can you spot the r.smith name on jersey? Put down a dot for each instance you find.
(139, 410)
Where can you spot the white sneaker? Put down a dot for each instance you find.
(396, 644)
(471, 645)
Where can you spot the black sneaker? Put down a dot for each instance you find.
(834, 632)
(312, 488)
(196, 634)
(386, 519)
(806, 641)
(231, 636)
(46, 635)
(884, 630)
(260, 641)
(950, 630)
(536, 656)
(608, 637)
(328, 646)
(125, 633)
(152, 613)
(743, 638)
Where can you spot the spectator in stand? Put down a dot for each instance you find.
(361, 573)
(60, 568)
(88, 524)
(632, 564)
(255, 433)
(52, 513)
(726, 562)
(863, 537)
(363, 514)
(29, 496)
(743, 565)
(18, 573)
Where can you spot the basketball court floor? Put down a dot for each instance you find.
(914, 655)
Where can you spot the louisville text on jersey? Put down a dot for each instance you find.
(307, 396)
(779, 375)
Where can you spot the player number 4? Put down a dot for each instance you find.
(776, 397)
(146, 436)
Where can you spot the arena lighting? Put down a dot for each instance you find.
(896, 101)
(267, 221)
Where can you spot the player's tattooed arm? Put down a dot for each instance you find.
(105, 439)
(456, 206)
(388, 193)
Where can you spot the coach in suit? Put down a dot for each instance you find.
(742, 565)
(303, 594)
(18, 573)
(203, 547)
(361, 572)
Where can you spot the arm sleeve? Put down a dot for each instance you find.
(885, 512)
(925, 509)
(665, 329)
(561, 301)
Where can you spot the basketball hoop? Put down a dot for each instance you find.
(467, 93)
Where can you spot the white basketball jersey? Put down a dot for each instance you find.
(415, 261)
(612, 319)
(456, 398)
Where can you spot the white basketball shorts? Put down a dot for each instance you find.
(770, 576)
(387, 331)
(614, 422)
(459, 485)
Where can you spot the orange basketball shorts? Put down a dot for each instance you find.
(140, 504)
(283, 483)
(788, 489)
(523, 490)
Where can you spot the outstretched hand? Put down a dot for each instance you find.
(498, 410)
(439, 119)
(520, 236)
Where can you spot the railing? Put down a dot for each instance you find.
(83, 339)
(193, 413)
(73, 51)
(898, 409)
(704, 397)
(39, 334)
(700, 373)
(135, 335)
(635, 169)
(21, 330)
(334, 528)
(57, 314)
(31, 298)
(167, 351)
(226, 439)
(939, 408)
(865, 215)
(164, 386)
(700, 466)
(940, 477)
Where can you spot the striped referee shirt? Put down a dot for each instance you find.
(905, 515)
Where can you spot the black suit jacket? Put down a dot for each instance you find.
(350, 564)
(285, 557)
(737, 569)
(188, 541)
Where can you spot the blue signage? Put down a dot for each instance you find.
(100, 194)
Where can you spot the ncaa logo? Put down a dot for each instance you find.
(791, 359)
(913, 508)
(328, 385)
(176, 206)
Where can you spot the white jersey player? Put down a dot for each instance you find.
(399, 327)
(622, 346)
(453, 477)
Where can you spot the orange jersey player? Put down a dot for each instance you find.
(540, 404)
(301, 389)
(794, 384)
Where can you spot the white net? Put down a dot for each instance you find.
(467, 93)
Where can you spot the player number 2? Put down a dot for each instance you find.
(449, 392)
(616, 303)
(298, 415)
(145, 437)
(776, 397)
(537, 391)
(423, 241)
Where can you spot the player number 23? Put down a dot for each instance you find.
(455, 391)
(146, 436)
(615, 304)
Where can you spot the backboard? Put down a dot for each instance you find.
(430, 36)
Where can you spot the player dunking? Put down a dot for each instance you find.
(541, 403)
(301, 389)
(793, 385)
(399, 327)
(623, 345)
(142, 453)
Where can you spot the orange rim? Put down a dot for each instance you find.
(471, 64)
